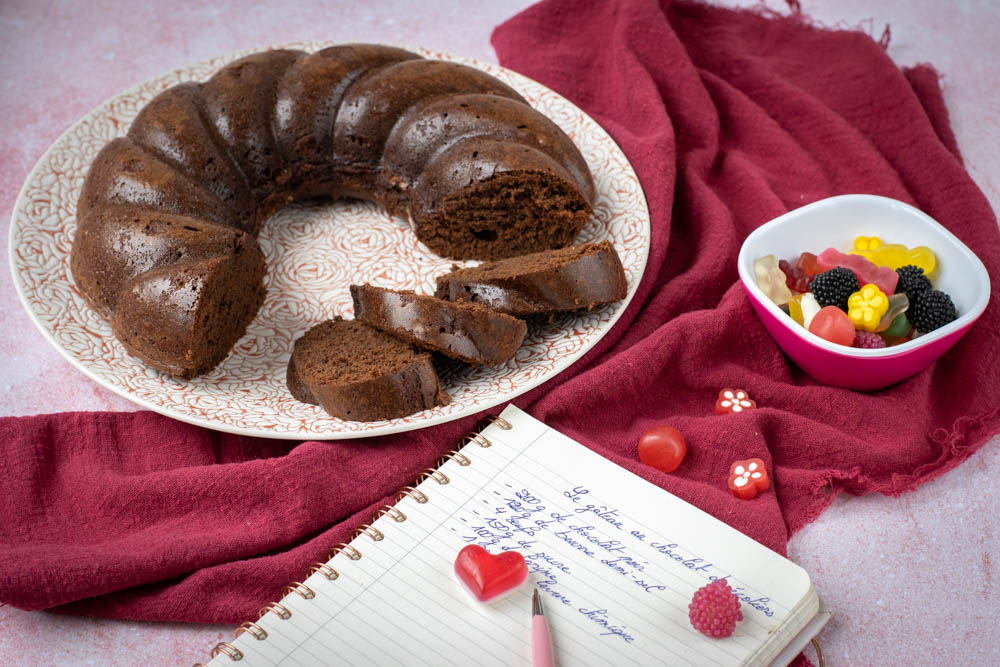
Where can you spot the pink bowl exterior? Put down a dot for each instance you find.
(841, 370)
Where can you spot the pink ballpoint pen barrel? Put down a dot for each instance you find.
(541, 642)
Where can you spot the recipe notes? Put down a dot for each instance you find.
(615, 559)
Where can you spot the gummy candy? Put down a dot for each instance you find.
(795, 278)
(832, 324)
(866, 307)
(894, 255)
(733, 401)
(892, 340)
(866, 272)
(771, 279)
(866, 340)
(898, 304)
(898, 328)
(802, 308)
(809, 264)
(748, 478)
(662, 448)
(488, 576)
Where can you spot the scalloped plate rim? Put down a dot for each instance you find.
(388, 428)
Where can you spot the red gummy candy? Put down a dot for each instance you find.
(833, 324)
(882, 276)
(795, 278)
(662, 448)
(733, 401)
(748, 478)
(809, 264)
(487, 576)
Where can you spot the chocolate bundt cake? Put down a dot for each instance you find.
(168, 215)
(356, 372)
(460, 330)
(573, 278)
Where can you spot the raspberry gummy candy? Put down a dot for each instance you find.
(715, 609)
(868, 340)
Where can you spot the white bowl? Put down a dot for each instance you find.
(834, 223)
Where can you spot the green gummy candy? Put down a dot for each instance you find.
(899, 327)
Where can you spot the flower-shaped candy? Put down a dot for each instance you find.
(748, 478)
(866, 307)
(733, 400)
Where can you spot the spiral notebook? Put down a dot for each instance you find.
(615, 558)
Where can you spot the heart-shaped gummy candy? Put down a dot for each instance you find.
(488, 576)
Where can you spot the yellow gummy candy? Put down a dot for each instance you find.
(866, 307)
(894, 255)
(867, 243)
(802, 308)
(795, 308)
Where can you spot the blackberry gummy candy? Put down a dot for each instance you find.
(912, 281)
(932, 310)
(834, 287)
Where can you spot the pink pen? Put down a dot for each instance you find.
(541, 642)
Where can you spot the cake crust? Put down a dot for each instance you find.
(574, 278)
(497, 179)
(460, 330)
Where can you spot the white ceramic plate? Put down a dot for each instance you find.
(313, 253)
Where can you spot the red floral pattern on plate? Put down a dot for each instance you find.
(313, 253)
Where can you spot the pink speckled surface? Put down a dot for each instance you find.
(912, 580)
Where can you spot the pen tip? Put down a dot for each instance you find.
(536, 604)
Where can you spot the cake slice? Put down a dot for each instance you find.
(552, 281)
(358, 373)
(184, 318)
(460, 330)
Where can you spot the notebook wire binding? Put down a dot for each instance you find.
(307, 593)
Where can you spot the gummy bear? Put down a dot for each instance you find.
(866, 272)
(771, 280)
(866, 307)
(795, 278)
(894, 255)
(803, 307)
(809, 264)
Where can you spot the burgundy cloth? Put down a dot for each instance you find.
(730, 118)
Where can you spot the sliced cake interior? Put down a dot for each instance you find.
(356, 372)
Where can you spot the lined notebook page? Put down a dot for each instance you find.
(615, 558)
